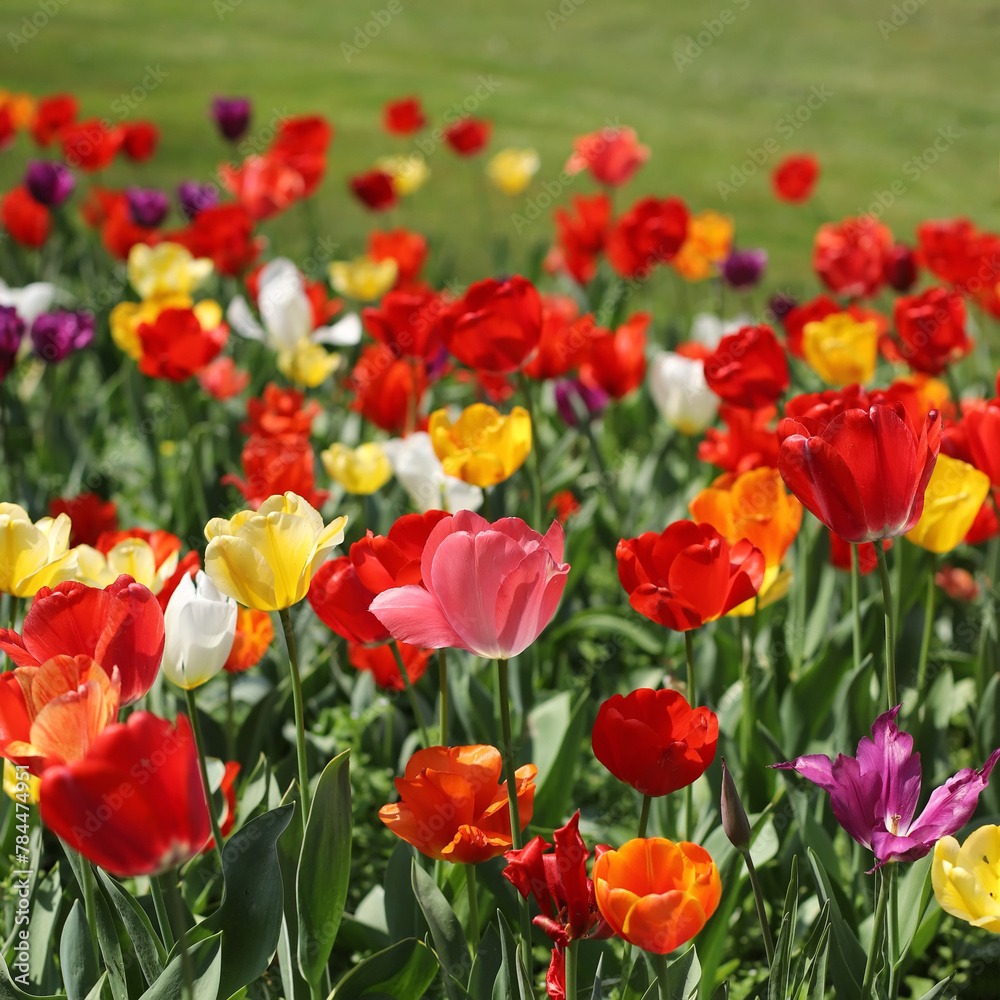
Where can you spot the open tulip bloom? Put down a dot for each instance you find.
(874, 795)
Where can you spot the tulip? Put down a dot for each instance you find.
(408, 172)
(931, 330)
(180, 342)
(148, 207)
(341, 602)
(375, 189)
(120, 626)
(166, 269)
(254, 634)
(794, 178)
(308, 364)
(27, 222)
(850, 256)
(405, 321)
(419, 470)
(616, 362)
(149, 770)
(966, 877)
(362, 470)
(28, 302)
(91, 516)
(265, 559)
(388, 390)
(451, 807)
(901, 271)
(34, 554)
(578, 402)
(580, 236)
(680, 392)
(748, 368)
(482, 447)
(874, 795)
(363, 278)
(222, 380)
(650, 233)
(708, 243)
(193, 197)
(564, 339)
(865, 473)
(511, 169)
(654, 740)
(688, 575)
(612, 155)
(407, 248)
(231, 116)
(749, 443)
(735, 823)
(468, 136)
(200, 627)
(118, 553)
(49, 182)
(55, 335)
(982, 425)
(656, 894)
(275, 465)
(127, 317)
(382, 663)
(487, 588)
(403, 116)
(955, 493)
(140, 141)
(11, 335)
(841, 350)
(743, 269)
(840, 554)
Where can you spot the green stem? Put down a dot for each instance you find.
(571, 969)
(925, 639)
(890, 637)
(856, 605)
(230, 717)
(894, 955)
(473, 899)
(300, 715)
(877, 928)
(758, 898)
(199, 742)
(689, 791)
(90, 905)
(746, 716)
(177, 911)
(644, 815)
(536, 461)
(166, 931)
(443, 685)
(662, 976)
(991, 570)
(410, 693)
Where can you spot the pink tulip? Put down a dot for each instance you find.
(487, 588)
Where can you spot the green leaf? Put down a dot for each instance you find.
(250, 913)
(324, 867)
(512, 979)
(848, 956)
(403, 970)
(915, 891)
(722, 992)
(9, 991)
(556, 731)
(446, 931)
(44, 913)
(684, 975)
(289, 848)
(206, 962)
(107, 935)
(938, 990)
(595, 993)
(609, 621)
(816, 978)
(148, 947)
(486, 964)
(98, 991)
(403, 918)
(76, 954)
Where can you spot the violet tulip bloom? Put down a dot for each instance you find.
(874, 795)
(193, 197)
(56, 335)
(575, 398)
(487, 588)
(742, 269)
(49, 182)
(231, 116)
(147, 206)
(11, 335)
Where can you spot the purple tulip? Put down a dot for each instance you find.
(11, 333)
(900, 268)
(573, 399)
(193, 197)
(742, 269)
(49, 182)
(232, 116)
(781, 305)
(874, 795)
(147, 206)
(56, 334)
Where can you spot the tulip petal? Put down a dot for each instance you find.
(415, 616)
(661, 923)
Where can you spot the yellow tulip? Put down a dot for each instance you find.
(840, 349)
(32, 555)
(360, 470)
(482, 447)
(511, 169)
(166, 269)
(363, 278)
(966, 878)
(954, 494)
(265, 558)
(308, 363)
(133, 556)
(127, 317)
(708, 242)
(24, 789)
(408, 172)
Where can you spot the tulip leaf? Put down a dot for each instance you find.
(848, 955)
(608, 622)
(206, 962)
(111, 949)
(403, 971)
(722, 992)
(595, 993)
(148, 947)
(446, 931)
(915, 891)
(938, 989)
(9, 991)
(98, 991)
(289, 848)
(556, 732)
(512, 982)
(638, 979)
(324, 867)
(403, 918)
(684, 975)
(45, 899)
(486, 964)
(76, 954)
(816, 977)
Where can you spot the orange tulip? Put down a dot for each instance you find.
(254, 633)
(452, 808)
(656, 894)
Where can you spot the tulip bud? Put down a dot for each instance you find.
(734, 816)
(200, 626)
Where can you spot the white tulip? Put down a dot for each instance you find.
(30, 301)
(708, 329)
(200, 627)
(418, 468)
(680, 392)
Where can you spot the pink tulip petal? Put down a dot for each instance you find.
(413, 615)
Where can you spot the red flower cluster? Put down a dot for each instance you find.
(850, 256)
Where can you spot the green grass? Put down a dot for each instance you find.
(604, 62)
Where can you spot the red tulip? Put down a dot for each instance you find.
(301, 143)
(135, 804)
(228, 788)
(616, 362)
(649, 234)
(341, 602)
(404, 116)
(280, 413)
(264, 185)
(176, 346)
(406, 322)
(395, 560)
(120, 232)
(388, 390)
(52, 115)
(931, 330)
(276, 465)
(27, 222)
(222, 380)
(900, 267)
(688, 575)
(91, 145)
(581, 237)
(612, 155)
(748, 368)
(375, 189)
(140, 141)
(850, 256)
(468, 135)
(565, 338)
(751, 441)
(224, 233)
(91, 516)
(381, 661)
(654, 740)
(406, 248)
(119, 626)
(982, 425)
(495, 326)
(863, 474)
(794, 178)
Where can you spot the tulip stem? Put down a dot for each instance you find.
(890, 638)
(991, 570)
(166, 931)
(570, 959)
(230, 717)
(662, 976)
(758, 898)
(177, 908)
(925, 639)
(443, 685)
(688, 790)
(856, 604)
(473, 898)
(746, 720)
(199, 742)
(410, 693)
(644, 815)
(536, 462)
(90, 905)
(877, 928)
(894, 956)
(300, 715)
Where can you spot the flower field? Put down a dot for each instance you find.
(599, 611)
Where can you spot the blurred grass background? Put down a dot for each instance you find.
(895, 74)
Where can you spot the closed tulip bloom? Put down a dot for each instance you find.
(487, 588)
(616, 362)
(794, 178)
(375, 189)
(654, 740)
(407, 171)
(680, 392)
(748, 368)
(151, 564)
(612, 155)
(363, 278)
(954, 495)
(849, 256)
(32, 554)
(451, 807)
(511, 169)
(254, 633)
(840, 349)
(403, 116)
(231, 116)
(966, 877)
(200, 626)
(180, 342)
(688, 575)
(362, 470)
(166, 269)
(49, 182)
(982, 424)
(265, 558)
(468, 136)
(656, 894)
(482, 447)
(149, 770)
(865, 472)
